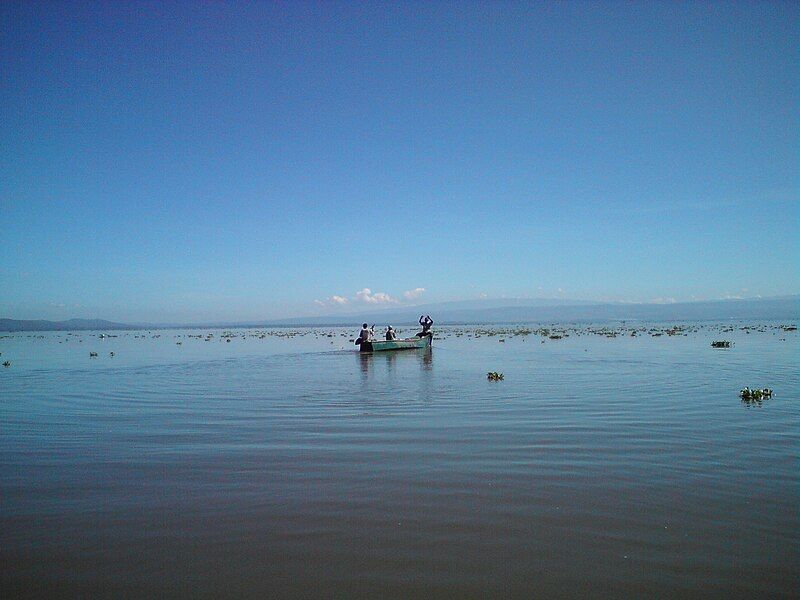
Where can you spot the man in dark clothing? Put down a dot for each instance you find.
(426, 323)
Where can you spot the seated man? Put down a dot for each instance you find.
(390, 334)
(426, 323)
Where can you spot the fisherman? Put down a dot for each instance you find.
(391, 334)
(366, 334)
(426, 322)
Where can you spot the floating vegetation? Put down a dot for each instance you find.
(494, 376)
(756, 394)
(478, 333)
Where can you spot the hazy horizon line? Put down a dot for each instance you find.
(398, 308)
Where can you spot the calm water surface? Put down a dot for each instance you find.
(286, 464)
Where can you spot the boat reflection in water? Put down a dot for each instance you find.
(391, 363)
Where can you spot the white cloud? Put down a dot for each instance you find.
(332, 301)
(368, 297)
(663, 300)
(413, 294)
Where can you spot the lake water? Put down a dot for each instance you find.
(282, 463)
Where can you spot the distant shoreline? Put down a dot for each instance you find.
(781, 308)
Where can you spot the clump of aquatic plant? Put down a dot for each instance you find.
(494, 376)
(721, 344)
(756, 394)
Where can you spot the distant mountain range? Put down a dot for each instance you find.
(523, 310)
(70, 325)
(515, 310)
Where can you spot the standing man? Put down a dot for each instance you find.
(426, 323)
(365, 335)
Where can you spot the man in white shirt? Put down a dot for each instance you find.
(366, 334)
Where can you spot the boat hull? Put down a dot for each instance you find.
(414, 343)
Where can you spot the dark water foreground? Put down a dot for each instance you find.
(598, 467)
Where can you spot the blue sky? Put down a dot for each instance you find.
(209, 161)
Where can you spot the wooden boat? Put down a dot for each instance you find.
(413, 343)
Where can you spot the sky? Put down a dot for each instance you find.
(209, 161)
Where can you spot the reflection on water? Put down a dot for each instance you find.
(755, 402)
(597, 467)
(388, 361)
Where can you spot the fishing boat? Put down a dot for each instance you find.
(413, 343)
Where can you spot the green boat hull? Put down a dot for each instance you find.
(414, 343)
